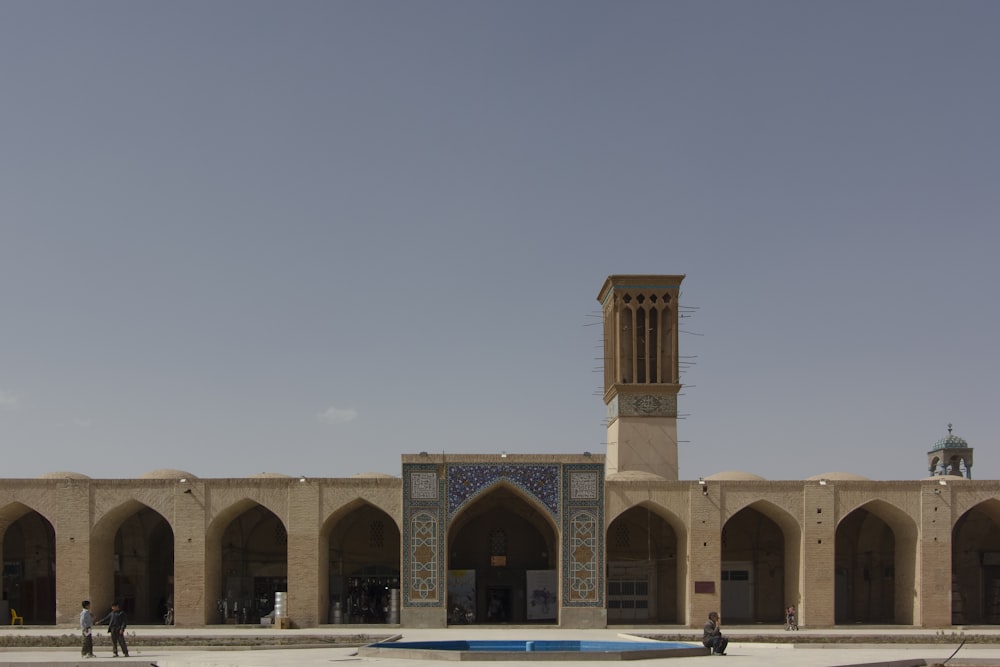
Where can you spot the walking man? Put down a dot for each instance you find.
(116, 626)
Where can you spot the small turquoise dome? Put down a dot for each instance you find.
(950, 442)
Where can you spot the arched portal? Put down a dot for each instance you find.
(132, 555)
(361, 546)
(975, 566)
(875, 564)
(249, 544)
(502, 555)
(28, 554)
(645, 575)
(760, 554)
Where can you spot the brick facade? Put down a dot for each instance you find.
(86, 514)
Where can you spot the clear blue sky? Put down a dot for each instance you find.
(307, 237)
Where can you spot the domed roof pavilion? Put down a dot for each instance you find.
(949, 456)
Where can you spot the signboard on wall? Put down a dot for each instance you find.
(461, 596)
(542, 599)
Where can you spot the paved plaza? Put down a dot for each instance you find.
(846, 647)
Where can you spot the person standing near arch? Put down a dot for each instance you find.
(87, 627)
(116, 626)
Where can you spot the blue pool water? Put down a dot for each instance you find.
(524, 646)
(524, 649)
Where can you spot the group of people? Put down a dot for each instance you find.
(117, 623)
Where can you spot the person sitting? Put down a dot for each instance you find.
(712, 638)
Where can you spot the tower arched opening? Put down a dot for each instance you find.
(502, 561)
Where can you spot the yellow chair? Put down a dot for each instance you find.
(14, 618)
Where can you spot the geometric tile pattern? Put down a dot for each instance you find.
(583, 535)
(584, 541)
(424, 554)
(467, 481)
(572, 494)
(423, 535)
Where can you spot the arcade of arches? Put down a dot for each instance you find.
(491, 540)
(575, 540)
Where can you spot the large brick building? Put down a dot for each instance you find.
(574, 540)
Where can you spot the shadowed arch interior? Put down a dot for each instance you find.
(498, 546)
(28, 554)
(975, 565)
(646, 566)
(247, 562)
(132, 551)
(360, 552)
(759, 573)
(875, 565)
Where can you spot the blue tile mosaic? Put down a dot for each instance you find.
(466, 481)
(573, 494)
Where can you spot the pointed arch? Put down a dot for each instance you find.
(28, 553)
(975, 565)
(647, 568)
(132, 561)
(352, 505)
(539, 513)
(246, 561)
(360, 547)
(13, 511)
(504, 485)
(761, 547)
(496, 542)
(875, 564)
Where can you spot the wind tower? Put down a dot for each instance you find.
(641, 378)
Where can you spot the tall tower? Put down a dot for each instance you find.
(641, 377)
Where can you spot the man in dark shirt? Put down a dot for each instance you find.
(116, 626)
(713, 638)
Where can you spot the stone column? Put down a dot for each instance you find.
(817, 569)
(704, 553)
(303, 554)
(933, 577)
(194, 604)
(72, 524)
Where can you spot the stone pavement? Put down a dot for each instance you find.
(848, 646)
